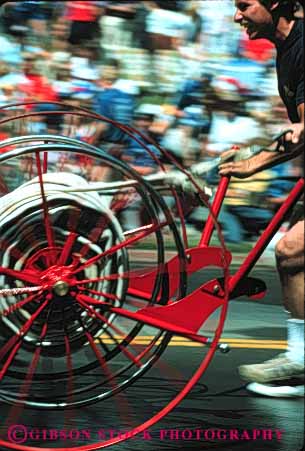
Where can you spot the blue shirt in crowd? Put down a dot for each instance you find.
(118, 106)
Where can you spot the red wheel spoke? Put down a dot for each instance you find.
(23, 275)
(19, 304)
(123, 407)
(3, 186)
(68, 355)
(110, 296)
(30, 236)
(152, 228)
(98, 354)
(33, 365)
(45, 162)
(47, 222)
(66, 251)
(23, 331)
(92, 301)
(72, 226)
(13, 355)
(25, 388)
(69, 366)
(83, 301)
(69, 363)
(136, 360)
(111, 277)
(147, 350)
(10, 359)
(94, 235)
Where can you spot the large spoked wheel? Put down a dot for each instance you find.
(69, 264)
(62, 253)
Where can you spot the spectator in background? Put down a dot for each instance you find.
(30, 16)
(141, 161)
(84, 19)
(9, 75)
(7, 94)
(284, 180)
(231, 128)
(35, 86)
(59, 33)
(11, 48)
(62, 83)
(194, 29)
(84, 61)
(141, 37)
(198, 92)
(13, 14)
(230, 123)
(37, 15)
(219, 38)
(179, 142)
(134, 153)
(165, 24)
(113, 102)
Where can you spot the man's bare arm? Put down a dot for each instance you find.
(266, 159)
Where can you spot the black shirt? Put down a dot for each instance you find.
(289, 66)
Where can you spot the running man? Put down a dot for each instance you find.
(275, 20)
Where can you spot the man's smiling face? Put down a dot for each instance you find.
(255, 18)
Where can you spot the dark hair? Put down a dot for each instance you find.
(287, 7)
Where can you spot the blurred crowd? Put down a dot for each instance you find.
(181, 72)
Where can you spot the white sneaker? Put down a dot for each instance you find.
(280, 368)
(277, 391)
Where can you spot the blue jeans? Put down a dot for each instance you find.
(240, 221)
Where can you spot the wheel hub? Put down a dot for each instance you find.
(57, 279)
(61, 288)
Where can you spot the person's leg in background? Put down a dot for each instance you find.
(233, 229)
